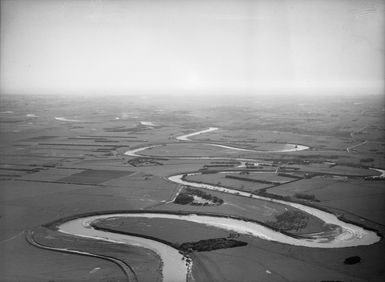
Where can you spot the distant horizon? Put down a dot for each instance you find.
(199, 94)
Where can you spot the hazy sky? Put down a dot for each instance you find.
(100, 46)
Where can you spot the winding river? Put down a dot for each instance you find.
(349, 235)
(288, 148)
(67, 119)
(186, 137)
(175, 269)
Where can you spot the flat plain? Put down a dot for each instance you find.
(65, 157)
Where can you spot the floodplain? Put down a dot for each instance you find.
(269, 162)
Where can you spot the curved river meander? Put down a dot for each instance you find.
(175, 269)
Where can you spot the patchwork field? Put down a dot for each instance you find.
(54, 171)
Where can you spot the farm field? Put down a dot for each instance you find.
(240, 180)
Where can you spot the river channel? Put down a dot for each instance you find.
(175, 269)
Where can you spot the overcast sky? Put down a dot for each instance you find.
(100, 46)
